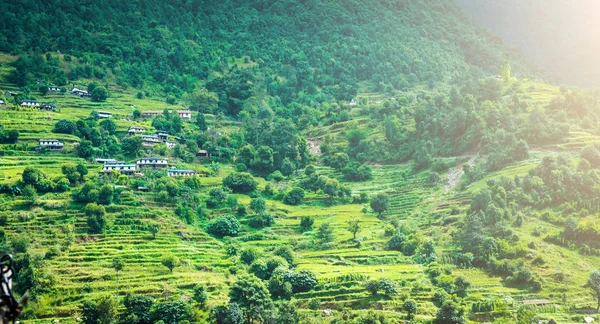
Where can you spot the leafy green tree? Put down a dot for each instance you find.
(251, 294)
(450, 313)
(380, 203)
(280, 288)
(203, 100)
(224, 226)
(286, 253)
(138, 308)
(306, 223)
(118, 265)
(201, 122)
(65, 127)
(593, 282)
(170, 261)
(240, 182)
(294, 196)
(226, 315)
(173, 312)
(30, 194)
(136, 114)
(154, 229)
(131, 146)
(85, 149)
(287, 313)
(105, 196)
(410, 307)
(248, 256)
(99, 94)
(388, 287)
(200, 295)
(339, 161)
(102, 311)
(325, 233)
(263, 161)
(96, 218)
(354, 227)
(372, 286)
(109, 126)
(258, 205)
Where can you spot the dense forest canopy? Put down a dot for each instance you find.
(303, 51)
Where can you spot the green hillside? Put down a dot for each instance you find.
(371, 162)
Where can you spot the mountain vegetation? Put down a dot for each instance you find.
(360, 162)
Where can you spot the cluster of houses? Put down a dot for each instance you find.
(184, 114)
(151, 140)
(35, 104)
(111, 165)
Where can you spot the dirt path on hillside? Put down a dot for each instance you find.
(314, 146)
(455, 174)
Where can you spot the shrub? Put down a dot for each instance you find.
(306, 223)
(224, 226)
(372, 286)
(388, 287)
(262, 220)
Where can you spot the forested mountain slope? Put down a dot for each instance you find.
(363, 162)
(306, 51)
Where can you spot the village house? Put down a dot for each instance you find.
(104, 161)
(2, 101)
(136, 130)
(104, 114)
(151, 113)
(153, 162)
(180, 173)
(185, 114)
(121, 168)
(352, 103)
(202, 153)
(170, 145)
(30, 103)
(53, 89)
(80, 92)
(10, 94)
(48, 106)
(51, 144)
(150, 140)
(162, 135)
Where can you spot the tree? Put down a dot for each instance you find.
(263, 161)
(380, 203)
(173, 312)
(153, 229)
(32, 176)
(224, 226)
(287, 313)
(410, 307)
(200, 295)
(65, 127)
(85, 149)
(96, 217)
(354, 227)
(170, 261)
(227, 315)
(294, 196)
(388, 287)
(325, 233)
(450, 313)
(99, 94)
(593, 282)
(462, 284)
(248, 256)
(105, 196)
(138, 308)
(505, 71)
(136, 114)
(258, 205)
(372, 286)
(251, 294)
(70, 171)
(203, 100)
(109, 126)
(131, 146)
(339, 161)
(201, 122)
(286, 253)
(240, 182)
(118, 265)
(306, 223)
(102, 311)
(30, 194)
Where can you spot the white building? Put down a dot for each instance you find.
(30, 103)
(153, 162)
(121, 168)
(53, 89)
(180, 173)
(136, 130)
(104, 114)
(51, 144)
(150, 140)
(185, 114)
